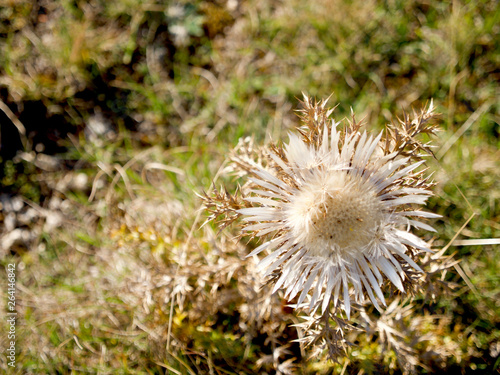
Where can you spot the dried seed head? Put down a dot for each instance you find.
(335, 213)
(340, 205)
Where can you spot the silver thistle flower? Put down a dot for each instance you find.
(340, 204)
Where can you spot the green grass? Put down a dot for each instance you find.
(95, 292)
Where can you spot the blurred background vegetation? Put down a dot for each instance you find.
(114, 113)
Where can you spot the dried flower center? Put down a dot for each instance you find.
(346, 219)
(336, 219)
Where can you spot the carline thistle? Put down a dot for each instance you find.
(335, 207)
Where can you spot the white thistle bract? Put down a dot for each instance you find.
(338, 205)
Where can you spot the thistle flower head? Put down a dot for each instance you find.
(337, 206)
